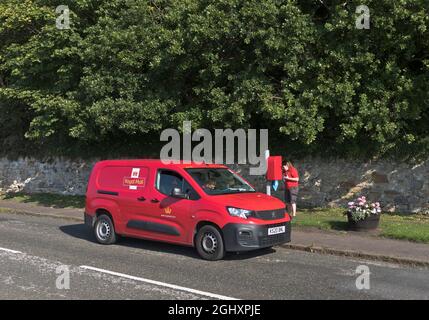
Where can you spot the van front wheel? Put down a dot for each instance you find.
(104, 230)
(209, 243)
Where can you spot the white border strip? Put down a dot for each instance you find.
(9, 250)
(162, 284)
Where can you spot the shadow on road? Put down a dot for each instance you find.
(80, 231)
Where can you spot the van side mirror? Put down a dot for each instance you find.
(178, 193)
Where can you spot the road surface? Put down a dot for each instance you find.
(36, 252)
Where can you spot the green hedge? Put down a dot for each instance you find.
(129, 68)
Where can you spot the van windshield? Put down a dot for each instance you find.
(216, 181)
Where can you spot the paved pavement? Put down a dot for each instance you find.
(32, 248)
(39, 210)
(351, 244)
(368, 246)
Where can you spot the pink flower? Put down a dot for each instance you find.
(361, 199)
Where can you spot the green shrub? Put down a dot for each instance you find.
(128, 69)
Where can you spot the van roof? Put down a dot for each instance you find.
(158, 162)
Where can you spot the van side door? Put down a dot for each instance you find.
(176, 213)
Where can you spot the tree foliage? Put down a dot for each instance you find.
(127, 69)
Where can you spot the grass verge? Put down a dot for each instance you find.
(47, 199)
(412, 227)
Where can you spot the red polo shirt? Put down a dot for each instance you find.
(292, 173)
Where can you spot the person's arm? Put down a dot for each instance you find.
(293, 177)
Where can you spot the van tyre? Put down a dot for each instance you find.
(104, 230)
(209, 243)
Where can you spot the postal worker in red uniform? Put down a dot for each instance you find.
(291, 179)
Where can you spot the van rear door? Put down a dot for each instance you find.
(147, 215)
(127, 185)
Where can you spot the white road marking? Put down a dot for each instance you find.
(9, 250)
(159, 283)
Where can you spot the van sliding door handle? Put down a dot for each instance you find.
(154, 200)
(141, 199)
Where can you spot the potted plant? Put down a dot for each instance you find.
(363, 215)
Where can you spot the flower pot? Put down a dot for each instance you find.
(369, 223)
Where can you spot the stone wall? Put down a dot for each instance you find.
(398, 186)
(52, 175)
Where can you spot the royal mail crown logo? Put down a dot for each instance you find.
(167, 210)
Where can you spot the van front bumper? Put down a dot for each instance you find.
(245, 237)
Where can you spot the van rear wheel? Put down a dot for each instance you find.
(104, 230)
(209, 243)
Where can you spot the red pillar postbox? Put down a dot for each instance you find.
(274, 168)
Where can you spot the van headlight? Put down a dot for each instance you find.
(237, 212)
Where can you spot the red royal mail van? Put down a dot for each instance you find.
(207, 206)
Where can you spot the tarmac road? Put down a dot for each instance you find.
(34, 251)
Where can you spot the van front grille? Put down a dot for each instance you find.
(270, 214)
